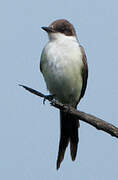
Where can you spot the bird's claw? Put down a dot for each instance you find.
(68, 108)
(48, 97)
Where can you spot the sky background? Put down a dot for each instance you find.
(29, 131)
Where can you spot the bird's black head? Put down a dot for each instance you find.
(61, 26)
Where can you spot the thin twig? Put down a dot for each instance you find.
(90, 119)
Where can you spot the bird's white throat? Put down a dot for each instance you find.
(60, 37)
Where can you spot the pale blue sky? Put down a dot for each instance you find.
(29, 131)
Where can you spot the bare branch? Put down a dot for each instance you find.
(90, 119)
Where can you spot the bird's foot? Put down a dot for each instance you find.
(48, 97)
(68, 107)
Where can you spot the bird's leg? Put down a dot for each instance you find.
(68, 108)
(49, 97)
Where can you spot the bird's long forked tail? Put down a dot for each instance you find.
(68, 133)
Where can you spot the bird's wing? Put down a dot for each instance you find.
(84, 72)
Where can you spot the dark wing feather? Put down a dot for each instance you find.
(40, 67)
(84, 72)
(41, 64)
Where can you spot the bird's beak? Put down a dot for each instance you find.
(48, 29)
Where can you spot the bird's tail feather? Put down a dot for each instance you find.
(69, 133)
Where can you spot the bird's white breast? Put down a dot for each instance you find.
(62, 64)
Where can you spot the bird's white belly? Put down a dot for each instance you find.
(62, 73)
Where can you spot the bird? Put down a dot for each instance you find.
(63, 64)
